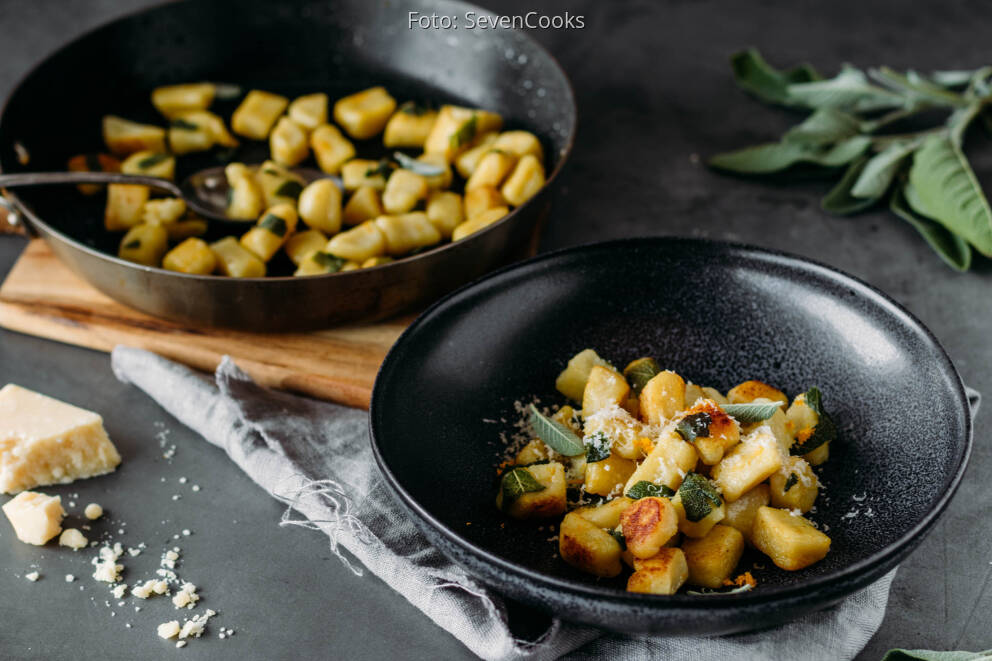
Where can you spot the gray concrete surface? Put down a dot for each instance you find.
(654, 91)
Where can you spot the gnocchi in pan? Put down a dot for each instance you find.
(671, 479)
(465, 173)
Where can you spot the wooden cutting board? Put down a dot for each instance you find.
(42, 297)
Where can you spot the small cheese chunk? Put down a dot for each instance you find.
(73, 539)
(93, 511)
(186, 597)
(168, 629)
(32, 576)
(45, 441)
(36, 518)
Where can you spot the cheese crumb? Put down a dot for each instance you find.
(69, 578)
(194, 627)
(93, 511)
(73, 539)
(119, 590)
(180, 643)
(168, 629)
(106, 567)
(169, 559)
(186, 597)
(33, 576)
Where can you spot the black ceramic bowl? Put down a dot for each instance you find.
(717, 314)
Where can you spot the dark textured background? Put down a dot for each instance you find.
(654, 91)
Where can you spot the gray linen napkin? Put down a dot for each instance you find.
(315, 457)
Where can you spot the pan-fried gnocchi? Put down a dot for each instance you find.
(458, 172)
(673, 480)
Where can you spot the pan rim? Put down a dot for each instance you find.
(833, 585)
(33, 219)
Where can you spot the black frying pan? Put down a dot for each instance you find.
(718, 314)
(289, 47)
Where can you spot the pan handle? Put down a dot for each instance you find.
(10, 216)
(51, 178)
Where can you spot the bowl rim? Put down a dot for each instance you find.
(49, 231)
(852, 575)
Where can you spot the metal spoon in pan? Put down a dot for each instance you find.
(205, 192)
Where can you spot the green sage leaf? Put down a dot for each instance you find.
(383, 168)
(778, 156)
(698, 496)
(598, 447)
(753, 74)
(952, 78)
(917, 87)
(560, 438)
(750, 413)
(516, 483)
(933, 655)
(747, 587)
(417, 167)
(849, 90)
(881, 169)
(645, 489)
(825, 126)
(951, 248)
(949, 191)
(839, 200)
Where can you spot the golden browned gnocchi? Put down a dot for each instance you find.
(673, 479)
(458, 174)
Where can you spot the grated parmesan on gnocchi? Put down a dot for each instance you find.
(670, 479)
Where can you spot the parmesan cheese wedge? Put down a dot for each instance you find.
(44, 441)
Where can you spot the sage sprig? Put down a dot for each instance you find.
(923, 176)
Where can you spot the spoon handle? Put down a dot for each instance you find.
(49, 178)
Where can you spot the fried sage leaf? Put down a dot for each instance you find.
(645, 489)
(560, 438)
(825, 430)
(699, 497)
(598, 447)
(516, 483)
(747, 414)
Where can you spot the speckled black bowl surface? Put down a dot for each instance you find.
(717, 314)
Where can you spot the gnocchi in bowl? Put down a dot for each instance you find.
(451, 402)
(672, 479)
